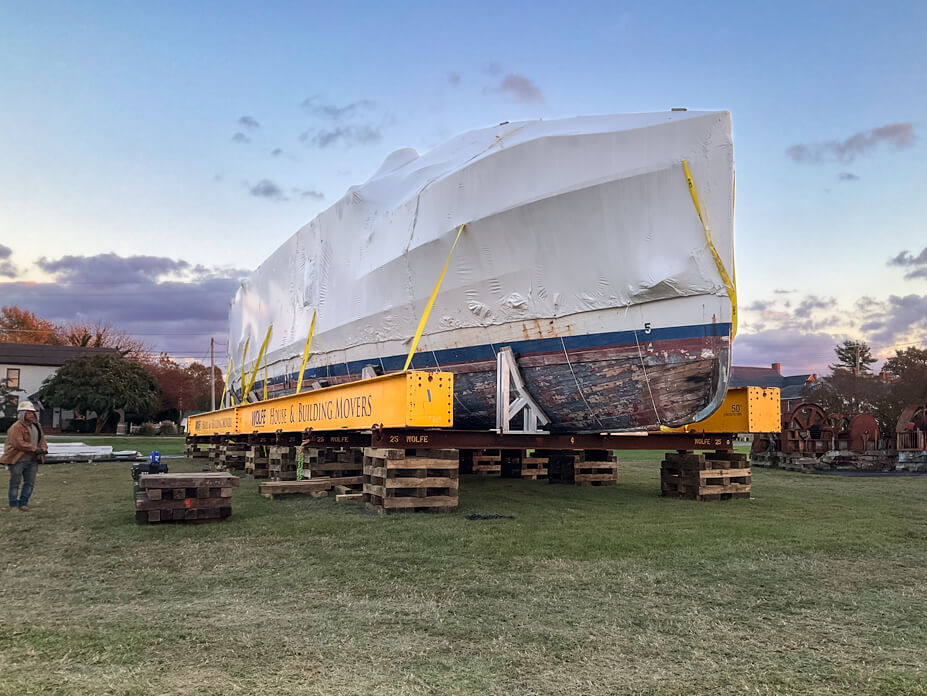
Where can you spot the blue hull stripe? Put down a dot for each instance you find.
(449, 356)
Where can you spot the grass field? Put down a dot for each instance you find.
(164, 445)
(817, 585)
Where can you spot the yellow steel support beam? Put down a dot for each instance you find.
(404, 399)
(221, 422)
(745, 410)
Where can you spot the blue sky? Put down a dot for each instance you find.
(119, 145)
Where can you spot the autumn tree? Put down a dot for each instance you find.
(22, 326)
(102, 335)
(102, 384)
(184, 388)
(907, 372)
(903, 381)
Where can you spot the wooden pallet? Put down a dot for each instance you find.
(581, 467)
(394, 482)
(715, 476)
(184, 497)
(517, 464)
(487, 463)
(596, 468)
(534, 468)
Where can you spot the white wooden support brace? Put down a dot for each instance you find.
(512, 397)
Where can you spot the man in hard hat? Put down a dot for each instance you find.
(25, 448)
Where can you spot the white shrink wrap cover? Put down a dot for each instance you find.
(583, 250)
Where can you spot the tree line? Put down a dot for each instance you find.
(852, 387)
(145, 385)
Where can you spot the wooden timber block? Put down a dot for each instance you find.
(424, 481)
(534, 468)
(381, 453)
(349, 498)
(596, 472)
(275, 489)
(487, 465)
(194, 480)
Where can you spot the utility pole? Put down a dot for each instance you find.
(212, 372)
(857, 358)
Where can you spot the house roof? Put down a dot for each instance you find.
(769, 377)
(47, 356)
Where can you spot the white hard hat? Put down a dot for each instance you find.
(26, 406)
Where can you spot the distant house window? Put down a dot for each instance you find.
(12, 377)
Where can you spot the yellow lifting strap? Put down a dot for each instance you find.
(302, 365)
(265, 378)
(725, 278)
(431, 302)
(244, 356)
(225, 390)
(257, 363)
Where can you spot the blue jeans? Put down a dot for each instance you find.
(22, 471)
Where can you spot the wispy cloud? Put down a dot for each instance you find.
(249, 123)
(492, 68)
(266, 188)
(309, 193)
(453, 78)
(349, 125)
(7, 269)
(112, 268)
(897, 135)
(276, 152)
(896, 318)
(240, 138)
(523, 89)
(917, 264)
(847, 176)
(348, 135)
(333, 112)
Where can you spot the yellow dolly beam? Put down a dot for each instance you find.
(745, 410)
(411, 399)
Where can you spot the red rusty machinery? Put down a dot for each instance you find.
(863, 433)
(808, 429)
(805, 430)
(911, 429)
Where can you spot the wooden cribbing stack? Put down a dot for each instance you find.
(195, 451)
(282, 463)
(581, 467)
(256, 462)
(712, 476)
(333, 463)
(184, 497)
(487, 463)
(517, 464)
(232, 456)
(397, 482)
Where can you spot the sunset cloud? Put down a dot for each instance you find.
(896, 135)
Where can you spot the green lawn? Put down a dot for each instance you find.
(817, 585)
